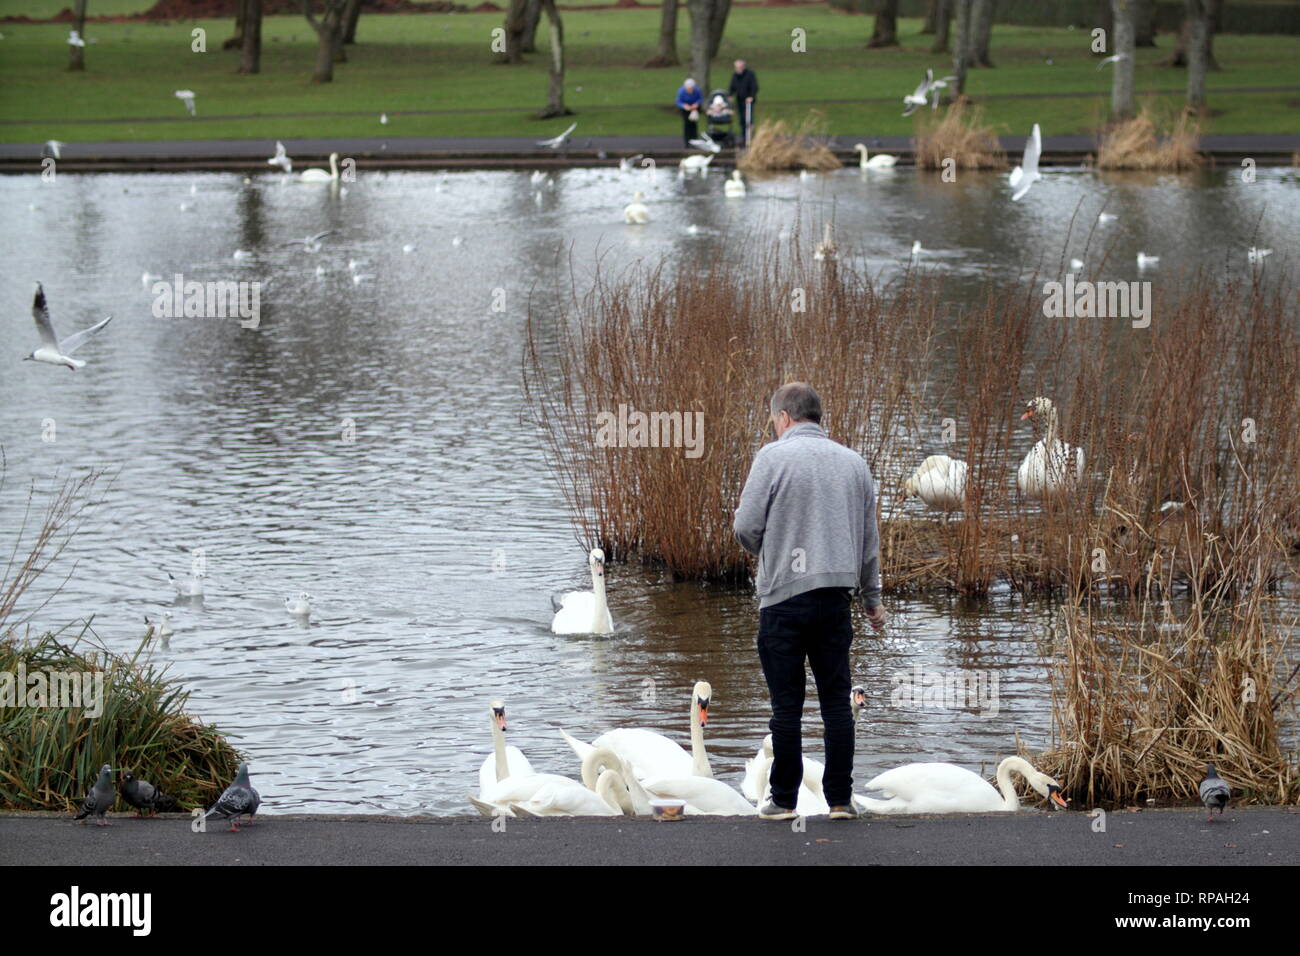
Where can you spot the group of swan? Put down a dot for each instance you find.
(1051, 467)
(625, 769)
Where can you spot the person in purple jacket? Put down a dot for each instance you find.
(689, 101)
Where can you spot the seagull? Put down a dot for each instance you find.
(74, 39)
(149, 278)
(299, 606)
(237, 800)
(408, 248)
(918, 96)
(1112, 59)
(1145, 261)
(628, 164)
(242, 254)
(52, 148)
(706, 142)
(311, 243)
(1024, 175)
(193, 589)
(456, 240)
(1106, 217)
(281, 158)
(1257, 255)
(916, 249)
(383, 119)
(1215, 792)
(558, 141)
(1076, 264)
(53, 351)
(358, 278)
(165, 625)
(187, 97)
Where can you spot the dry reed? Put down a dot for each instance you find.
(962, 135)
(1140, 143)
(775, 146)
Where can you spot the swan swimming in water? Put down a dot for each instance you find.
(947, 788)
(735, 186)
(1051, 465)
(940, 482)
(317, 175)
(636, 212)
(585, 612)
(879, 161)
(650, 754)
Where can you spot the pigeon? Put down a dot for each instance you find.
(558, 141)
(238, 799)
(100, 798)
(187, 97)
(1112, 59)
(53, 351)
(143, 795)
(281, 158)
(1024, 175)
(1215, 792)
(299, 606)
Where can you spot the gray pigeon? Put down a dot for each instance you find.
(100, 799)
(144, 796)
(1215, 791)
(239, 798)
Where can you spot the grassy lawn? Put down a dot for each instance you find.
(443, 63)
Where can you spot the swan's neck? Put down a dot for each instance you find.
(1008, 766)
(499, 748)
(602, 607)
(698, 753)
(862, 154)
(1049, 436)
(334, 167)
(612, 788)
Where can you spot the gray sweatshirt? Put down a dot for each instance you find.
(808, 511)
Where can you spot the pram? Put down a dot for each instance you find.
(719, 117)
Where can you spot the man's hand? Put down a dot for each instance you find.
(876, 617)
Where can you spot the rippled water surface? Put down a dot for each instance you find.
(432, 543)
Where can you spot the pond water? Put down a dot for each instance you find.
(433, 540)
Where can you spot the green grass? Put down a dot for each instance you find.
(443, 62)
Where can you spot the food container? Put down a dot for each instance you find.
(668, 809)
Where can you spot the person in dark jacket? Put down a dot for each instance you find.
(744, 90)
(689, 101)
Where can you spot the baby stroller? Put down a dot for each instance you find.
(719, 117)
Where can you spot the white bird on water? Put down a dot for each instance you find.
(241, 254)
(1076, 264)
(916, 249)
(52, 350)
(187, 97)
(585, 612)
(1106, 217)
(1145, 261)
(735, 186)
(879, 161)
(311, 243)
(193, 588)
(693, 164)
(317, 175)
(538, 178)
(940, 482)
(281, 158)
(299, 606)
(558, 141)
(1026, 174)
(149, 278)
(1257, 255)
(636, 212)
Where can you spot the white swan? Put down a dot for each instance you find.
(636, 212)
(504, 761)
(650, 754)
(702, 795)
(735, 186)
(317, 175)
(940, 482)
(585, 612)
(696, 163)
(601, 792)
(826, 248)
(947, 788)
(879, 161)
(1051, 465)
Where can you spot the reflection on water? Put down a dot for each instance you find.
(432, 542)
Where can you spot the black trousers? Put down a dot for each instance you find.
(690, 128)
(815, 626)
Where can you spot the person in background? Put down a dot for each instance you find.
(689, 100)
(744, 89)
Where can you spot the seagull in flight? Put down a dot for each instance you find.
(52, 147)
(52, 351)
(918, 97)
(1112, 59)
(311, 243)
(1024, 175)
(281, 158)
(706, 142)
(187, 97)
(558, 141)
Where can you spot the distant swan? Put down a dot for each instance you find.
(636, 212)
(879, 161)
(947, 788)
(735, 186)
(319, 175)
(585, 612)
(696, 163)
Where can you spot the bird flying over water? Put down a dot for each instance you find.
(281, 158)
(557, 141)
(53, 351)
(1026, 174)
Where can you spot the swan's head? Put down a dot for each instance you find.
(334, 157)
(304, 596)
(860, 148)
(911, 489)
(857, 700)
(1038, 408)
(498, 711)
(1047, 787)
(597, 561)
(701, 694)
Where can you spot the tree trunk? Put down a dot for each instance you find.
(555, 90)
(885, 31)
(961, 42)
(329, 35)
(1179, 56)
(77, 54)
(700, 11)
(250, 54)
(931, 16)
(532, 18)
(236, 40)
(981, 32)
(717, 24)
(1124, 13)
(1198, 44)
(943, 21)
(667, 55)
(1105, 19)
(1144, 30)
(516, 20)
(350, 18)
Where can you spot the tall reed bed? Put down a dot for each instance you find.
(1145, 142)
(775, 145)
(960, 134)
(716, 340)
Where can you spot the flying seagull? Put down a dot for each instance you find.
(144, 796)
(52, 147)
(917, 98)
(1112, 59)
(74, 39)
(281, 158)
(558, 141)
(238, 799)
(1024, 175)
(187, 97)
(52, 351)
(311, 243)
(1215, 792)
(100, 799)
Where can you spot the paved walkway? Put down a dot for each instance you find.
(1255, 836)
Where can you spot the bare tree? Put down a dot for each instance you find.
(250, 53)
(981, 31)
(532, 19)
(1124, 15)
(1144, 30)
(667, 55)
(885, 31)
(350, 19)
(555, 90)
(700, 11)
(1180, 57)
(329, 33)
(942, 22)
(717, 24)
(1198, 48)
(236, 40)
(516, 21)
(77, 54)
(961, 42)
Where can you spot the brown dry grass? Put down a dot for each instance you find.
(961, 134)
(1141, 143)
(776, 146)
